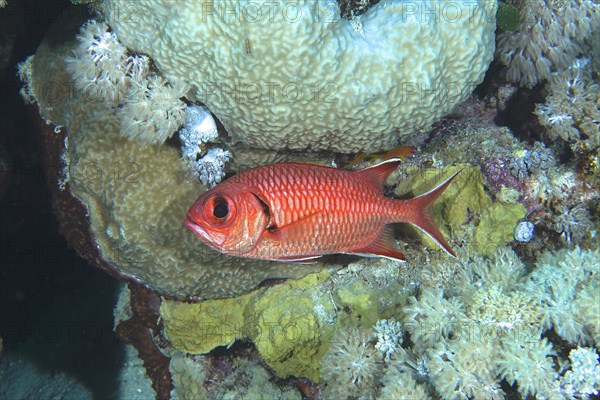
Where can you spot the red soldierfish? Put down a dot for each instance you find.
(298, 212)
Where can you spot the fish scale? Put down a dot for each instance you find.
(349, 213)
(296, 212)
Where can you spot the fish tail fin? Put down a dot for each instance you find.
(421, 218)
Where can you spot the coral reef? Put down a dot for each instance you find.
(583, 379)
(153, 110)
(496, 226)
(321, 100)
(530, 364)
(351, 365)
(201, 129)
(240, 378)
(389, 337)
(549, 36)
(487, 323)
(211, 166)
(495, 322)
(561, 283)
(286, 335)
(571, 111)
(461, 369)
(555, 187)
(134, 197)
(101, 66)
(291, 324)
(463, 338)
(398, 383)
(148, 107)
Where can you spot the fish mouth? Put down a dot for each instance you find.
(197, 229)
(202, 234)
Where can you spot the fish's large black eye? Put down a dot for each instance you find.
(221, 209)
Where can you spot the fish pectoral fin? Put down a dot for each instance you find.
(297, 228)
(384, 245)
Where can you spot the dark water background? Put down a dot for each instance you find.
(55, 309)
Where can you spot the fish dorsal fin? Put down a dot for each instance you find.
(378, 173)
(384, 245)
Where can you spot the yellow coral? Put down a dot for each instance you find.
(291, 323)
(497, 226)
(281, 321)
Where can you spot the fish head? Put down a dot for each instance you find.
(228, 218)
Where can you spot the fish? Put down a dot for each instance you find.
(400, 152)
(296, 212)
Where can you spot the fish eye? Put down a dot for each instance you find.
(221, 208)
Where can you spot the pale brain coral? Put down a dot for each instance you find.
(295, 75)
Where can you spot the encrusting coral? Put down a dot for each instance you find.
(466, 201)
(290, 324)
(391, 71)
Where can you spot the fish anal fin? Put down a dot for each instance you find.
(377, 174)
(384, 245)
(299, 260)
